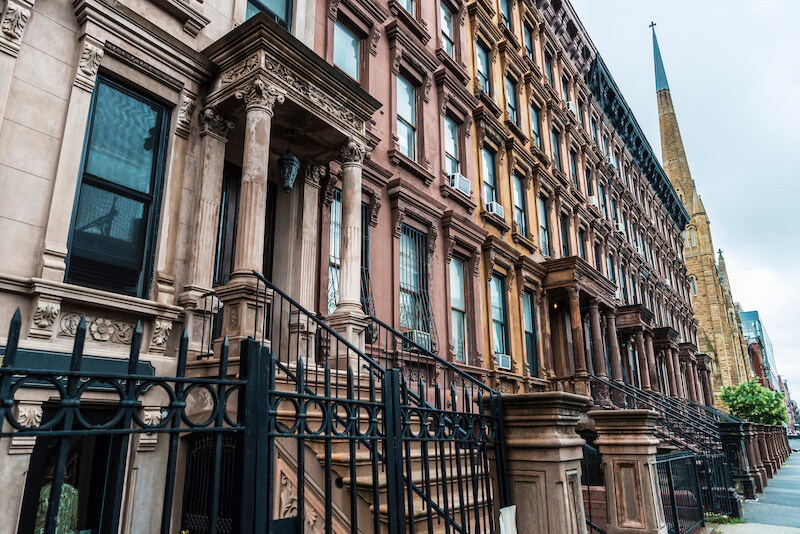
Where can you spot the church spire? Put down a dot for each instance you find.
(661, 75)
(673, 155)
(723, 272)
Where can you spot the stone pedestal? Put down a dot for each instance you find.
(734, 438)
(626, 440)
(763, 450)
(754, 457)
(544, 457)
(242, 311)
(351, 326)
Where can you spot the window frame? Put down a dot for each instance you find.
(503, 320)
(398, 117)
(448, 120)
(512, 100)
(563, 223)
(520, 205)
(484, 78)
(555, 146)
(464, 317)
(339, 22)
(545, 243)
(448, 39)
(530, 338)
(493, 185)
(536, 119)
(287, 23)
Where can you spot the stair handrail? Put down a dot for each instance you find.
(721, 416)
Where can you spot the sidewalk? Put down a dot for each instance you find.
(778, 506)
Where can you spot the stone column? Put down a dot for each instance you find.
(696, 379)
(544, 298)
(627, 442)
(733, 437)
(641, 356)
(651, 362)
(764, 451)
(581, 386)
(260, 100)
(613, 345)
(673, 389)
(597, 340)
(754, 457)
(676, 364)
(708, 390)
(544, 460)
(690, 379)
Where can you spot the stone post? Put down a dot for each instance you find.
(651, 362)
(613, 345)
(673, 389)
(544, 461)
(641, 355)
(754, 457)
(676, 363)
(597, 340)
(734, 439)
(763, 451)
(627, 442)
(581, 385)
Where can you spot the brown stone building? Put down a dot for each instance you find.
(720, 330)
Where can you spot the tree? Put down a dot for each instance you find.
(753, 402)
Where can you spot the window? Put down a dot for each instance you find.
(505, 11)
(410, 6)
(536, 124)
(448, 30)
(580, 113)
(555, 140)
(589, 188)
(529, 324)
(113, 228)
(544, 227)
(548, 67)
(694, 285)
(512, 101)
(484, 69)
(565, 88)
(414, 298)
(603, 208)
(280, 10)
(611, 274)
(573, 167)
(528, 36)
(489, 181)
(335, 250)
(451, 151)
(598, 258)
(594, 130)
(614, 213)
(458, 309)
(693, 236)
(407, 117)
(582, 243)
(605, 145)
(346, 51)
(564, 223)
(622, 278)
(497, 288)
(519, 206)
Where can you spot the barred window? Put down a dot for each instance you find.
(415, 304)
(335, 251)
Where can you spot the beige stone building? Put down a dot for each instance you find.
(720, 330)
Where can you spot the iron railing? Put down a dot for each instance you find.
(593, 483)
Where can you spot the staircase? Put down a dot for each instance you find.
(383, 437)
(681, 423)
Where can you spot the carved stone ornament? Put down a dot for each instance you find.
(99, 329)
(45, 314)
(354, 152)
(161, 332)
(261, 95)
(287, 498)
(90, 60)
(151, 416)
(212, 122)
(29, 415)
(14, 20)
(185, 113)
(314, 175)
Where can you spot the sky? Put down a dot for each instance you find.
(734, 75)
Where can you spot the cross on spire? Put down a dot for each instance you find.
(652, 24)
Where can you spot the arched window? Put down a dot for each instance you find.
(693, 236)
(694, 285)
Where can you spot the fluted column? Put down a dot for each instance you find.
(597, 340)
(690, 379)
(651, 362)
(698, 388)
(676, 364)
(641, 356)
(308, 247)
(260, 100)
(707, 389)
(213, 129)
(577, 331)
(671, 378)
(613, 345)
(352, 156)
(544, 298)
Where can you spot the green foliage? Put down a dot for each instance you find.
(753, 402)
(726, 520)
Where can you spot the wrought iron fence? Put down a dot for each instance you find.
(594, 487)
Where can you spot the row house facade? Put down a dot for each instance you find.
(466, 172)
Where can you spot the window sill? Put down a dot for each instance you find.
(562, 177)
(462, 199)
(517, 131)
(511, 39)
(398, 158)
(459, 70)
(495, 221)
(490, 104)
(418, 28)
(522, 240)
(540, 155)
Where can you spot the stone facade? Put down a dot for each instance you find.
(720, 330)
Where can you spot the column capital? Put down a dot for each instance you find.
(594, 303)
(213, 123)
(354, 153)
(612, 313)
(260, 95)
(313, 175)
(573, 292)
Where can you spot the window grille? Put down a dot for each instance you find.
(415, 305)
(334, 256)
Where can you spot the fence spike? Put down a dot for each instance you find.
(13, 339)
(77, 345)
(136, 345)
(183, 352)
(223, 358)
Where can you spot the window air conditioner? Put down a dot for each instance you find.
(618, 294)
(503, 361)
(667, 283)
(416, 338)
(610, 160)
(572, 107)
(620, 227)
(593, 201)
(459, 182)
(495, 209)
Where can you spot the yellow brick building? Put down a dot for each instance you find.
(720, 330)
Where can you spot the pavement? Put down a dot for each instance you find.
(777, 510)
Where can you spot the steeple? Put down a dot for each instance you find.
(661, 75)
(673, 154)
(723, 272)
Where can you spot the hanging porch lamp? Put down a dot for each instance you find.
(288, 165)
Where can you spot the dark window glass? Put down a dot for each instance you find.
(497, 288)
(280, 10)
(573, 167)
(529, 319)
(484, 69)
(528, 41)
(536, 124)
(347, 50)
(114, 223)
(519, 206)
(582, 243)
(513, 101)
(544, 227)
(555, 140)
(564, 221)
(548, 67)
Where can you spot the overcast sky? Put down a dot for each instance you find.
(734, 74)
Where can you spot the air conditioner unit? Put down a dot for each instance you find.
(640, 250)
(459, 182)
(618, 294)
(593, 201)
(495, 209)
(572, 107)
(610, 160)
(503, 361)
(667, 282)
(620, 227)
(416, 338)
